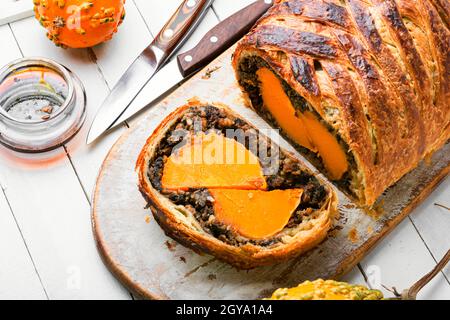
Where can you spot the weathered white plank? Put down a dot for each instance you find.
(10, 51)
(18, 278)
(156, 13)
(53, 214)
(48, 201)
(400, 260)
(225, 8)
(15, 262)
(15, 10)
(433, 222)
(354, 277)
(115, 56)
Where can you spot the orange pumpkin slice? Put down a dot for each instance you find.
(279, 105)
(213, 161)
(331, 152)
(255, 214)
(305, 129)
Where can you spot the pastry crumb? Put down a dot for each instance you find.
(349, 206)
(171, 245)
(353, 235)
(212, 277)
(209, 72)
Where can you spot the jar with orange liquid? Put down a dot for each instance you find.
(42, 105)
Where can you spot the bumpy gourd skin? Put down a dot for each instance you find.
(327, 290)
(79, 23)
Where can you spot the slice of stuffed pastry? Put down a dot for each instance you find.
(218, 186)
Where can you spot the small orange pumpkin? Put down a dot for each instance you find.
(79, 23)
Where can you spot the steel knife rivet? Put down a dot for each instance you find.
(188, 58)
(168, 33)
(214, 39)
(191, 3)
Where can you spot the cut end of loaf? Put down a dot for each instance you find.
(300, 124)
(215, 210)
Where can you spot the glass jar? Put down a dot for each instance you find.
(42, 105)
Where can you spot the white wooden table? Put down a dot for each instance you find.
(47, 249)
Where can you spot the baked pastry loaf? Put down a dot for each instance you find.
(362, 88)
(248, 214)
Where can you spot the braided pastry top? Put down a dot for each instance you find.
(377, 71)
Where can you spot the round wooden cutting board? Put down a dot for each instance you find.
(153, 266)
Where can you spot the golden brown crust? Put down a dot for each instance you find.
(387, 71)
(182, 230)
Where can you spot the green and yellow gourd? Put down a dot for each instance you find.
(334, 290)
(327, 290)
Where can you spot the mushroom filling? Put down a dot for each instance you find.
(227, 212)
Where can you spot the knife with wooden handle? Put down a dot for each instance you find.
(215, 42)
(170, 38)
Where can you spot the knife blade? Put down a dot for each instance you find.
(170, 38)
(215, 42)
